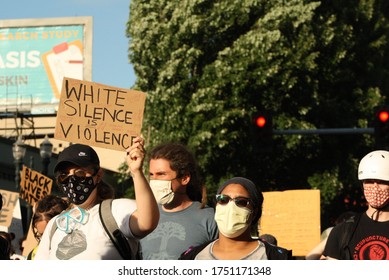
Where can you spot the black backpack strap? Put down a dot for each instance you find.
(350, 226)
(117, 237)
(274, 252)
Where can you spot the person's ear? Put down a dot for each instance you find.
(99, 175)
(185, 180)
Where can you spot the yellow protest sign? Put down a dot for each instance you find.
(34, 185)
(293, 217)
(99, 115)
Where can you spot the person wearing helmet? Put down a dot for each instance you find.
(366, 235)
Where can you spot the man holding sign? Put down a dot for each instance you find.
(79, 233)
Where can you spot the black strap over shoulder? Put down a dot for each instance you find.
(113, 231)
(277, 253)
(350, 226)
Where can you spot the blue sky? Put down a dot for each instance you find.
(109, 25)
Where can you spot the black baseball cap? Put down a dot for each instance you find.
(78, 154)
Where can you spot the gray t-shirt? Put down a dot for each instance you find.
(258, 253)
(177, 231)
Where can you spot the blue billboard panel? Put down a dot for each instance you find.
(33, 62)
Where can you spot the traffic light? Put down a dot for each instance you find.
(262, 127)
(381, 128)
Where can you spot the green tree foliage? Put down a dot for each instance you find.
(208, 65)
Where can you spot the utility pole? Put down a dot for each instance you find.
(368, 130)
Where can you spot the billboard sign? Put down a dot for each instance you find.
(35, 55)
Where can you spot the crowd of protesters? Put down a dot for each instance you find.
(170, 219)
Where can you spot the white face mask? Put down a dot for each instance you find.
(162, 190)
(232, 220)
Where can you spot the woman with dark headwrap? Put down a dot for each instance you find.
(238, 209)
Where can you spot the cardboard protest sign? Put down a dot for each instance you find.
(11, 217)
(34, 185)
(10, 201)
(99, 115)
(293, 217)
(30, 242)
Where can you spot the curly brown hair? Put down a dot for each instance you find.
(183, 162)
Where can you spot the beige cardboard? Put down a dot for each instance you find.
(30, 242)
(10, 200)
(34, 185)
(293, 217)
(99, 115)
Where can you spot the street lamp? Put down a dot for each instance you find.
(46, 150)
(18, 151)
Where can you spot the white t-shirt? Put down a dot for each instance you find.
(88, 241)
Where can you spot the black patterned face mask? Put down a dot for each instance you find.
(78, 189)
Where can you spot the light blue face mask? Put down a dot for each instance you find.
(69, 220)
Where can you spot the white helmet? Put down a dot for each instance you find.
(375, 165)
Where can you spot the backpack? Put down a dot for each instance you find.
(119, 240)
(350, 226)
